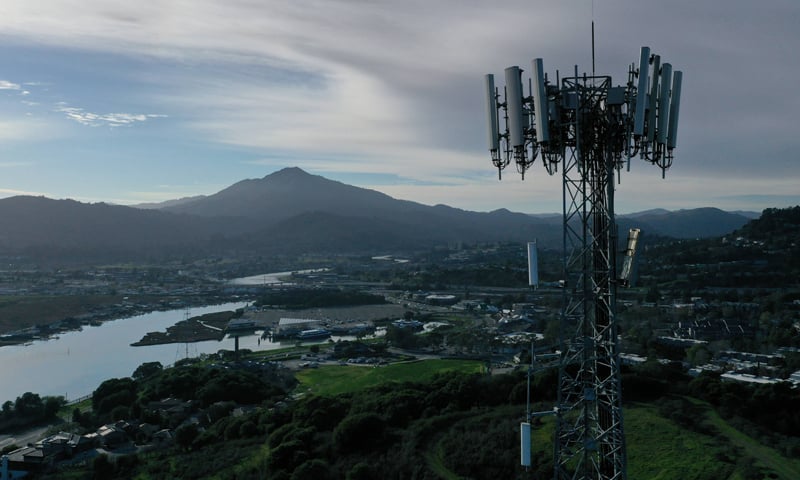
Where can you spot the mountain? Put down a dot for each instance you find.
(694, 223)
(292, 212)
(168, 203)
(323, 213)
(292, 191)
(43, 227)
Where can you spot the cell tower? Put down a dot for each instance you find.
(592, 129)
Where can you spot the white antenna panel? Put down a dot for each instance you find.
(663, 103)
(540, 106)
(674, 109)
(641, 92)
(533, 265)
(514, 101)
(525, 444)
(491, 115)
(653, 100)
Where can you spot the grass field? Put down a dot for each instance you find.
(658, 448)
(334, 380)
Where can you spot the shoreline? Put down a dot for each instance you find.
(201, 328)
(52, 330)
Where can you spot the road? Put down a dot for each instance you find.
(23, 438)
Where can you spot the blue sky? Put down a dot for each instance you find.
(129, 102)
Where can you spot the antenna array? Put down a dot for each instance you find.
(592, 129)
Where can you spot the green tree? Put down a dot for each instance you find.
(147, 369)
(359, 431)
(185, 435)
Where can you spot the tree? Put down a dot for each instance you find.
(147, 369)
(8, 408)
(316, 469)
(52, 405)
(185, 435)
(358, 431)
(113, 392)
(29, 405)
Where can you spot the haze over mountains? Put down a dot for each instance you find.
(291, 211)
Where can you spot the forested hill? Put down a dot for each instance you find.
(777, 227)
(764, 253)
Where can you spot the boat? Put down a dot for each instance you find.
(313, 334)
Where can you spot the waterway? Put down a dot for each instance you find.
(75, 363)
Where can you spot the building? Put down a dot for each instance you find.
(291, 326)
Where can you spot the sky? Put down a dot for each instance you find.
(130, 102)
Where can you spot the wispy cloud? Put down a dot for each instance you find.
(106, 119)
(6, 85)
(10, 192)
(390, 90)
(14, 129)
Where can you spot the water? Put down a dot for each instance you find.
(75, 363)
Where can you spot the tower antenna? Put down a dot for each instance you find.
(592, 128)
(593, 39)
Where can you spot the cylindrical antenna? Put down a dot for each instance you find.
(653, 103)
(641, 92)
(674, 110)
(491, 115)
(540, 106)
(663, 103)
(514, 102)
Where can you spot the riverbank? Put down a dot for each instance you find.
(25, 319)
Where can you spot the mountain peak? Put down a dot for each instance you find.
(288, 172)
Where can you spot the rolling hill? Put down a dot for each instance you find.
(289, 212)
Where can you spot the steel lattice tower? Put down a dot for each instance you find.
(592, 129)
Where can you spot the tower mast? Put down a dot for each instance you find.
(592, 129)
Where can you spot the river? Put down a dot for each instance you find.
(75, 363)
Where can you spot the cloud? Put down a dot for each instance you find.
(393, 89)
(13, 129)
(6, 85)
(10, 192)
(108, 119)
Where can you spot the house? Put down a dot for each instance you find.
(22, 461)
(111, 435)
(171, 408)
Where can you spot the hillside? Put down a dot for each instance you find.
(43, 227)
(291, 212)
(694, 223)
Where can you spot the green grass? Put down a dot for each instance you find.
(660, 449)
(335, 380)
(766, 457)
(435, 461)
